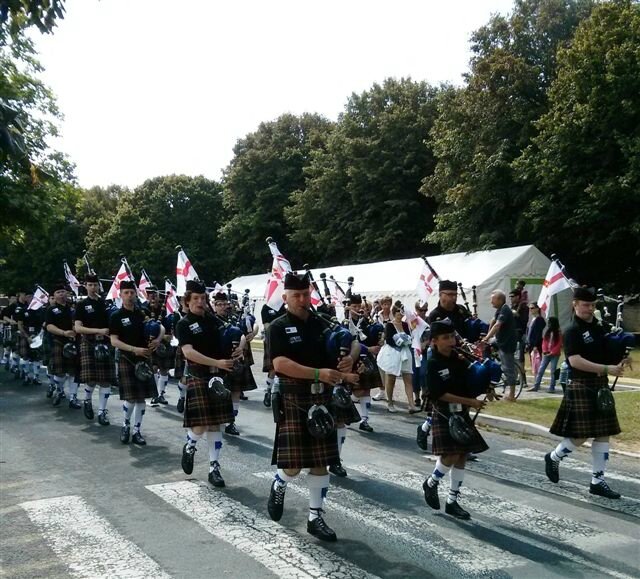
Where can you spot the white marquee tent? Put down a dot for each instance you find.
(487, 270)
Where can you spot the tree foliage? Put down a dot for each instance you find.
(361, 198)
(583, 168)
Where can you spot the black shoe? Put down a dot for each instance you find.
(472, 457)
(602, 490)
(138, 439)
(36, 382)
(180, 405)
(103, 419)
(74, 404)
(243, 397)
(88, 410)
(365, 426)
(275, 506)
(422, 439)
(162, 400)
(417, 402)
(551, 468)
(154, 401)
(215, 478)
(455, 510)
(231, 429)
(125, 431)
(338, 470)
(267, 399)
(188, 453)
(318, 528)
(58, 397)
(431, 495)
(50, 390)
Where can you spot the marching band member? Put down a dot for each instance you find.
(18, 363)
(446, 382)
(8, 331)
(59, 323)
(447, 308)
(579, 416)
(305, 432)
(126, 328)
(96, 368)
(29, 325)
(206, 410)
(268, 315)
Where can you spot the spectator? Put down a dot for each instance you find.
(521, 316)
(551, 349)
(524, 294)
(395, 357)
(535, 328)
(383, 317)
(503, 327)
(419, 378)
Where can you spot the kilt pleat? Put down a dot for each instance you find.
(94, 371)
(370, 380)
(240, 381)
(443, 442)
(293, 446)
(164, 364)
(267, 365)
(349, 415)
(578, 415)
(58, 364)
(248, 355)
(23, 347)
(178, 364)
(199, 410)
(131, 388)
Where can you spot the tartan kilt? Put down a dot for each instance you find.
(164, 364)
(31, 354)
(47, 345)
(178, 367)
(370, 381)
(23, 347)
(248, 355)
(94, 371)
(348, 415)
(267, 366)
(58, 364)
(240, 382)
(293, 446)
(578, 415)
(443, 442)
(199, 410)
(131, 388)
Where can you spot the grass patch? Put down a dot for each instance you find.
(543, 411)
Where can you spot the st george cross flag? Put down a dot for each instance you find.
(275, 284)
(554, 282)
(145, 282)
(40, 299)
(417, 326)
(316, 300)
(184, 272)
(114, 290)
(71, 279)
(171, 303)
(426, 283)
(337, 294)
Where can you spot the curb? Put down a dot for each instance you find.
(532, 429)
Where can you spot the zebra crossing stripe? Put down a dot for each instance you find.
(419, 538)
(87, 542)
(280, 550)
(523, 518)
(568, 462)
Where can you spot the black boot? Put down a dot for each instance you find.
(215, 478)
(125, 432)
(338, 470)
(275, 506)
(602, 489)
(455, 510)
(318, 528)
(551, 468)
(431, 494)
(88, 410)
(267, 399)
(180, 405)
(103, 419)
(422, 439)
(188, 453)
(232, 429)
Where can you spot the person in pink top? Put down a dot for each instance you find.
(551, 349)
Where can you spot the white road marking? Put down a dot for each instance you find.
(519, 517)
(280, 550)
(420, 537)
(568, 462)
(88, 543)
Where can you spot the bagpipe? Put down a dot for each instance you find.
(483, 372)
(475, 326)
(152, 330)
(230, 338)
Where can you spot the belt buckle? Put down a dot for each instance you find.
(317, 388)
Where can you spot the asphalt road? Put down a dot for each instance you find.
(75, 502)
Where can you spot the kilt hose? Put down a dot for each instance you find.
(241, 381)
(94, 371)
(267, 366)
(58, 364)
(164, 364)
(578, 415)
(131, 388)
(293, 446)
(443, 442)
(178, 364)
(199, 410)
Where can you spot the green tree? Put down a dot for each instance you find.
(268, 166)
(151, 220)
(361, 200)
(583, 169)
(484, 126)
(16, 15)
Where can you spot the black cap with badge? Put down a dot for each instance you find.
(196, 286)
(446, 285)
(584, 294)
(296, 281)
(442, 327)
(127, 284)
